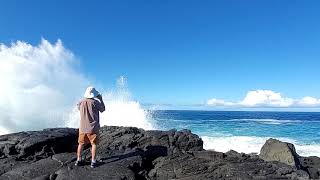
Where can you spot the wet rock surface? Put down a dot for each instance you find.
(131, 153)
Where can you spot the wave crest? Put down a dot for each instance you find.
(253, 144)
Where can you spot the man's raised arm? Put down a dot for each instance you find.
(101, 105)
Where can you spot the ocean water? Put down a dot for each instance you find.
(246, 131)
(220, 130)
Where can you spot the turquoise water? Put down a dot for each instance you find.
(246, 131)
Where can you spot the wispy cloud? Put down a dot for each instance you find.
(266, 98)
(219, 102)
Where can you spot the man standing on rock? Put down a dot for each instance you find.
(89, 108)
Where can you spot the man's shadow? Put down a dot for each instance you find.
(150, 154)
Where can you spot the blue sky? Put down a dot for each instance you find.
(182, 52)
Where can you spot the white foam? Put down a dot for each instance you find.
(126, 113)
(269, 121)
(121, 110)
(308, 149)
(3, 131)
(253, 144)
(38, 85)
(244, 144)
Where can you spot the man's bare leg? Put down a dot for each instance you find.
(93, 152)
(79, 152)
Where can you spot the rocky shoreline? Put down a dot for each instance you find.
(128, 153)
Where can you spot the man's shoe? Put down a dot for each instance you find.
(93, 164)
(78, 163)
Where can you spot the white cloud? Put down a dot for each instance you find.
(309, 101)
(267, 98)
(38, 85)
(218, 102)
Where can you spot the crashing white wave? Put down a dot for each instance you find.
(308, 149)
(269, 121)
(261, 121)
(42, 86)
(3, 131)
(121, 110)
(38, 85)
(253, 144)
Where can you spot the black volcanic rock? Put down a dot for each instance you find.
(133, 153)
(217, 165)
(38, 144)
(166, 142)
(311, 165)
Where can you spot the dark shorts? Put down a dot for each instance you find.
(86, 138)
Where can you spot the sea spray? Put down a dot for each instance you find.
(43, 84)
(253, 144)
(39, 85)
(121, 109)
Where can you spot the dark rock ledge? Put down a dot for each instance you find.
(128, 153)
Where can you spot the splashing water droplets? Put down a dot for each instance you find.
(121, 110)
(122, 82)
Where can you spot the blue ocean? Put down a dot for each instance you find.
(246, 131)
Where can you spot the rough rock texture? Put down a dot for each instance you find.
(216, 165)
(132, 153)
(38, 144)
(275, 150)
(311, 165)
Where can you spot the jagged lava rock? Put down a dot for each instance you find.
(206, 165)
(311, 165)
(136, 154)
(38, 144)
